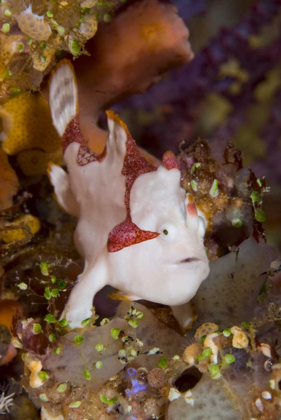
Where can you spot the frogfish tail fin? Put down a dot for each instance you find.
(63, 100)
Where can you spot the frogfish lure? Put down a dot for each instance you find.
(137, 229)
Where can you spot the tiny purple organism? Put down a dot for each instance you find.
(136, 385)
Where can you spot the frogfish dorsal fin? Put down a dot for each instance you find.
(128, 233)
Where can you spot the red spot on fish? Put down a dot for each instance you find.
(127, 234)
(170, 161)
(134, 163)
(73, 134)
(86, 155)
(191, 207)
(134, 166)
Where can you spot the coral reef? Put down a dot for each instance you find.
(229, 195)
(17, 227)
(128, 360)
(125, 371)
(34, 37)
(53, 384)
(230, 90)
(113, 54)
(238, 277)
(213, 391)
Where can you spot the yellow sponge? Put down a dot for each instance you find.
(35, 162)
(20, 229)
(31, 127)
(8, 182)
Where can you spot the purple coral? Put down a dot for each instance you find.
(176, 101)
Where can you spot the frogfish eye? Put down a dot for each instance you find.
(167, 232)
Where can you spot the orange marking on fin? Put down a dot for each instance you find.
(116, 296)
(49, 168)
(194, 317)
(114, 117)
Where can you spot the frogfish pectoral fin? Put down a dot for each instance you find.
(63, 193)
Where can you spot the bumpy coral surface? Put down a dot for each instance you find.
(8, 182)
(229, 195)
(27, 132)
(35, 35)
(126, 369)
(151, 52)
(231, 291)
(91, 359)
(30, 119)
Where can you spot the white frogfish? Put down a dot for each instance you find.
(137, 229)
